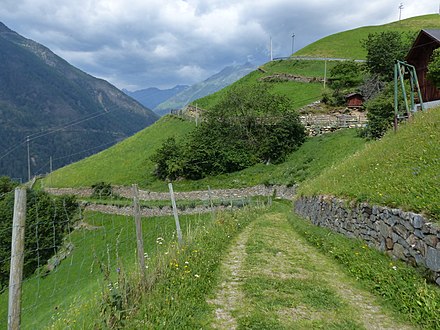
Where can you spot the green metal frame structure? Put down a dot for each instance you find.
(400, 69)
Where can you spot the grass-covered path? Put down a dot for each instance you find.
(272, 279)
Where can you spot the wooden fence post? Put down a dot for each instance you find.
(17, 259)
(139, 239)
(176, 216)
(211, 203)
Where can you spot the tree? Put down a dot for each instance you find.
(6, 185)
(383, 49)
(380, 112)
(249, 125)
(344, 78)
(169, 160)
(434, 68)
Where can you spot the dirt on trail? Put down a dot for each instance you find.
(271, 278)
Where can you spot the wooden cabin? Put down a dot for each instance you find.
(354, 100)
(419, 56)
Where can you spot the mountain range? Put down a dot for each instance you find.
(163, 101)
(64, 113)
(152, 97)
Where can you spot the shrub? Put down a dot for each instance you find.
(47, 220)
(102, 190)
(248, 126)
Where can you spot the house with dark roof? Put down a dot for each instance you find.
(419, 56)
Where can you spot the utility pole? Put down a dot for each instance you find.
(271, 54)
(400, 10)
(293, 42)
(28, 159)
(50, 164)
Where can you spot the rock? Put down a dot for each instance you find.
(384, 230)
(431, 240)
(417, 221)
(389, 243)
(401, 231)
(399, 251)
(433, 259)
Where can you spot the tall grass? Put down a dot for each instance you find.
(71, 295)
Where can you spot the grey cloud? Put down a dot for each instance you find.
(161, 43)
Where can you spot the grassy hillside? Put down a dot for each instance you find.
(123, 164)
(401, 170)
(72, 295)
(347, 44)
(316, 154)
(299, 93)
(128, 162)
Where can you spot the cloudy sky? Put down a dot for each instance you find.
(137, 44)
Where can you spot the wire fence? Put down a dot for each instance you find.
(74, 257)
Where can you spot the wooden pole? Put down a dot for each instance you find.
(17, 259)
(139, 239)
(210, 202)
(176, 216)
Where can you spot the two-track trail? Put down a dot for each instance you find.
(272, 279)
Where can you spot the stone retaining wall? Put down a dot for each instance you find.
(260, 190)
(155, 212)
(405, 235)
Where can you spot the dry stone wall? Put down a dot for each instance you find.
(260, 190)
(405, 235)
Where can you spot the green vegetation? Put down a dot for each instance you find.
(402, 287)
(384, 48)
(101, 261)
(46, 227)
(380, 113)
(247, 127)
(299, 94)
(345, 78)
(347, 44)
(126, 163)
(434, 67)
(313, 157)
(401, 170)
(281, 280)
(112, 165)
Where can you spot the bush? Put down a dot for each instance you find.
(47, 221)
(248, 126)
(102, 190)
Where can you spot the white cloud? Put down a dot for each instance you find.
(165, 42)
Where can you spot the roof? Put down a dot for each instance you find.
(425, 39)
(435, 34)
(353, 94)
